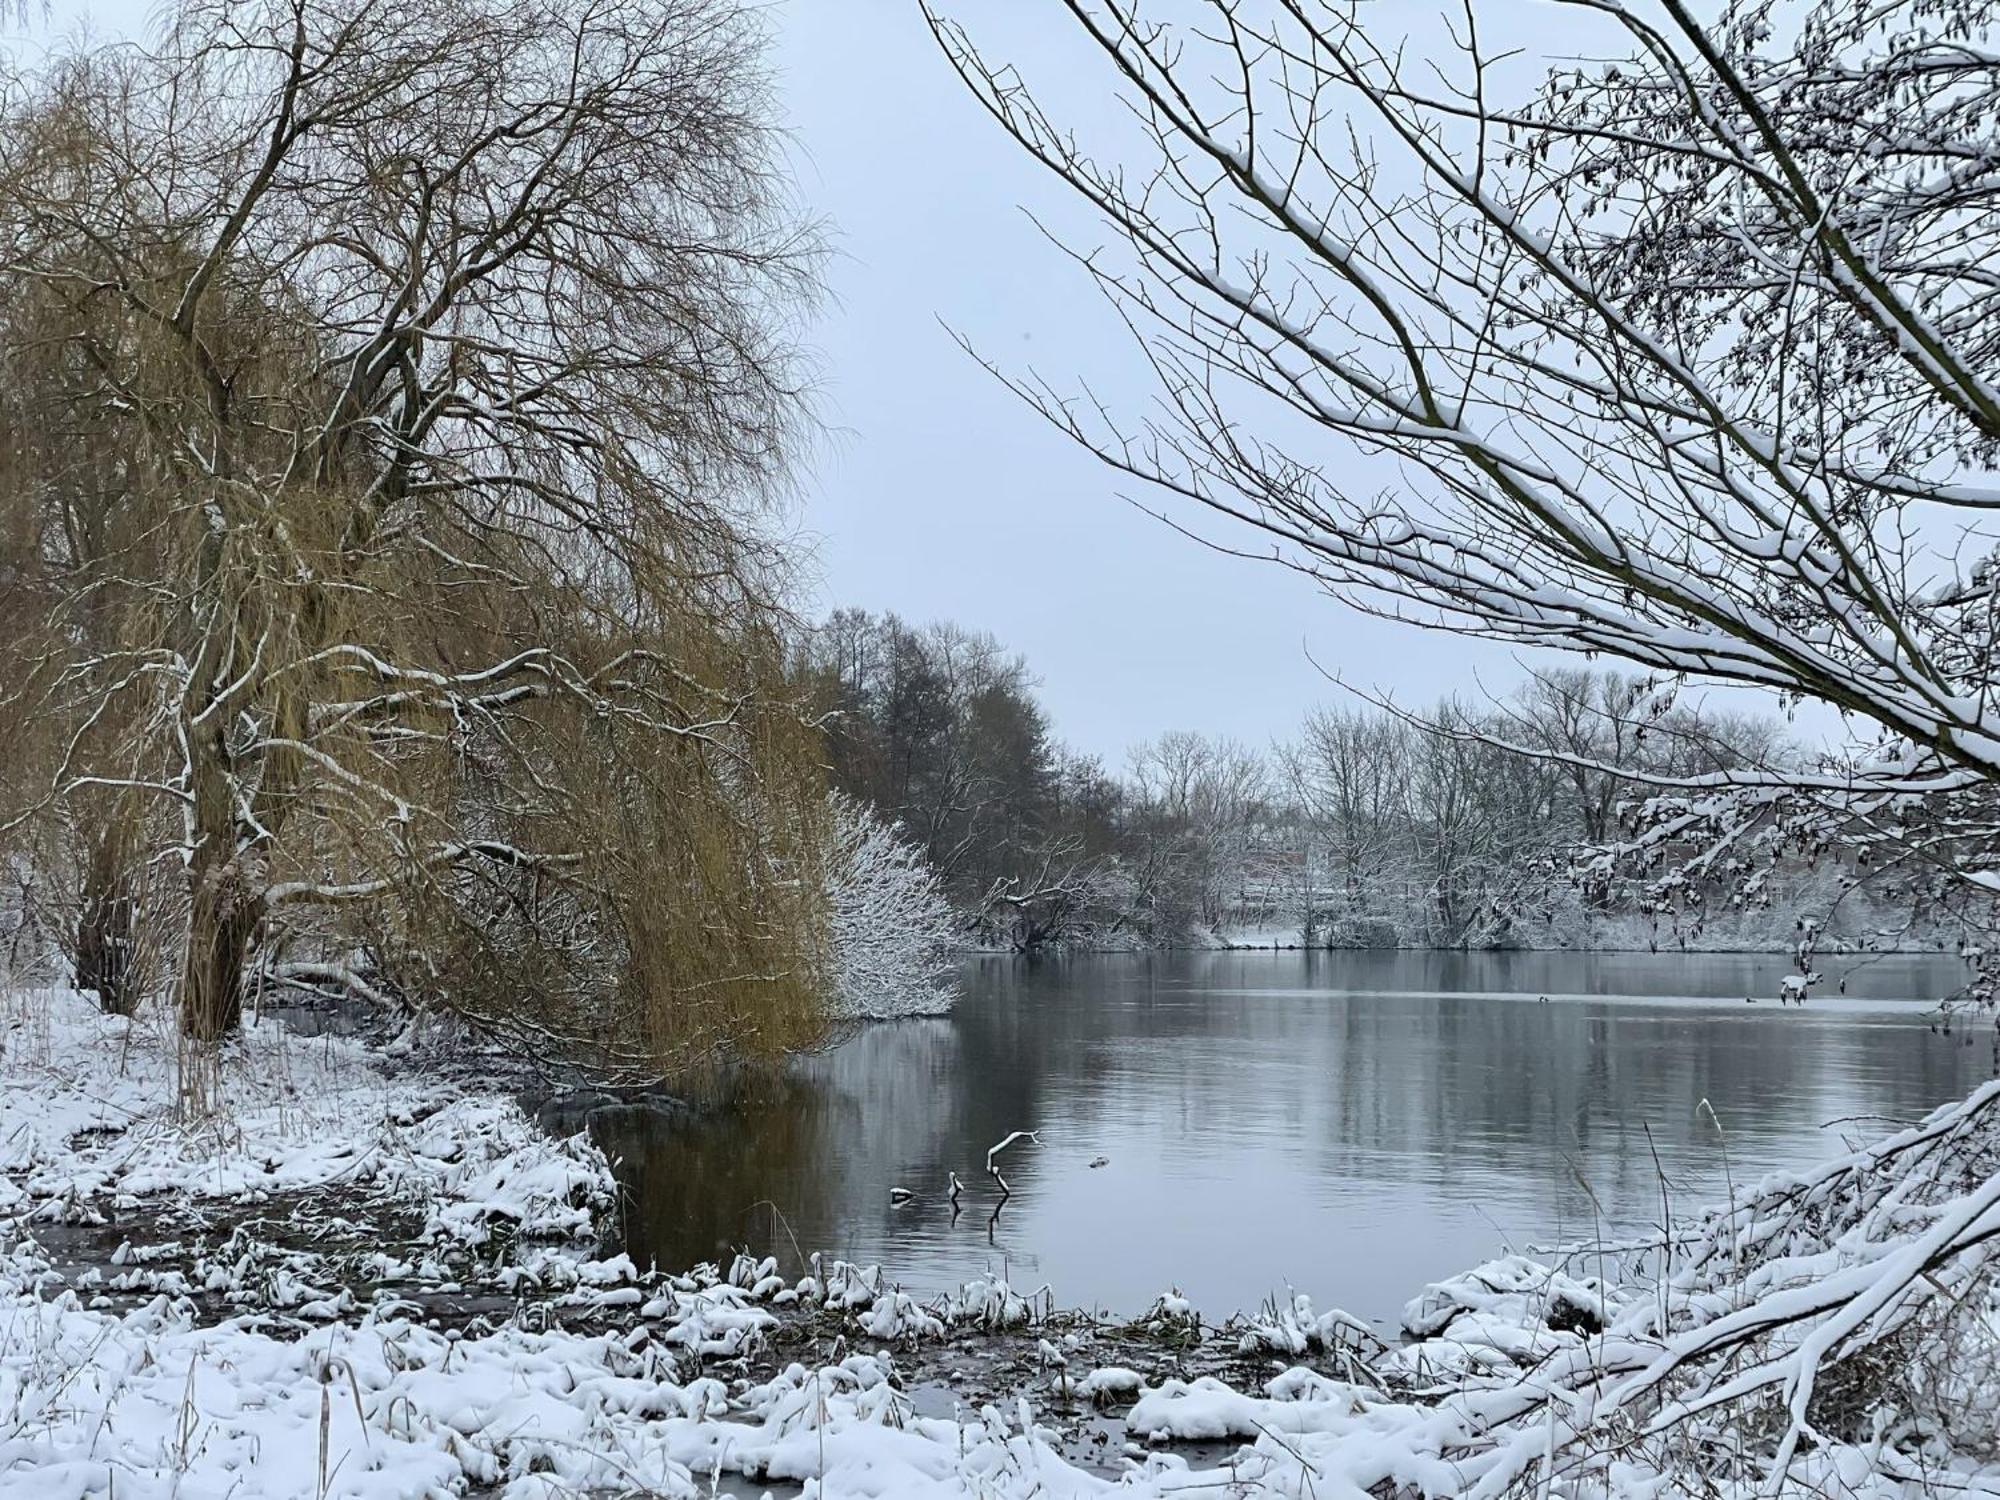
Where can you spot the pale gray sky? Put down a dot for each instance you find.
(938, 495)
(943, 496)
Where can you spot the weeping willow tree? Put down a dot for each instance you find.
(80, 872)
(398, 398)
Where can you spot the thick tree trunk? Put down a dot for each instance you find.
(105, 927)
(222, 923)
(223, 911)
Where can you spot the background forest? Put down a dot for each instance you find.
(1521, 822)
(406, 611)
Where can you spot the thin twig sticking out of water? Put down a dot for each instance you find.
(1729, 1179)
(1666, 1225)
(778, 1217)
(1596, 1220)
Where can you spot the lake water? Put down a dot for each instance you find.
(1349, 1124)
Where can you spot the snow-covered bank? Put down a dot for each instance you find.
(97, 1112)
(1841, 1321)
(149, 1404)
(1254, 940)
(1609, 935)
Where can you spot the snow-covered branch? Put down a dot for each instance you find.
(892, 931)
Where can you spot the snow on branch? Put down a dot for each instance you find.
(892, 930)
(1659, 361)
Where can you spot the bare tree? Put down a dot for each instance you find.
(1677, 369)
(1346, 775)
(442, 354)
(1688, 359)
(1197, 805)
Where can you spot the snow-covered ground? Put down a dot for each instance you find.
(98, 1111)
(1525, 1376)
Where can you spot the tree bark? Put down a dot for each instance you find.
(105, 927)
(223, 912)
(222, 922)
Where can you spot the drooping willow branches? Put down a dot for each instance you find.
(394, 395)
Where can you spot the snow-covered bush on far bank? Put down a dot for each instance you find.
(892, 931)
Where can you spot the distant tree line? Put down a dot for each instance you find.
(1464, 824)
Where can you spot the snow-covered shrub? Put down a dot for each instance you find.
(891, 929)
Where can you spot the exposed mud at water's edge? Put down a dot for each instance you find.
(291, 1264)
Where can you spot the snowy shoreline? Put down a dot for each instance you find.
(1265, 943)
(351, 1282)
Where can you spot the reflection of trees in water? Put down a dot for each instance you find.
(690, 1184)
(899, 1104)
(896, 1091)
(1476, 1095)
(894, 1084)
(1481, 1099)
(782, 1152)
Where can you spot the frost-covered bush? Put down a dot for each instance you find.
(891, 930)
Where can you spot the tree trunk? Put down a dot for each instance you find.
(222, 911)
(105, 927)
(222, 922)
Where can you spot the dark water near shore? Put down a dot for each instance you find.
(1349, 1124)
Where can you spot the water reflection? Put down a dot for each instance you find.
(1350, 1124)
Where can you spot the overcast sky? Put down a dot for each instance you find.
(937, 494)
(942, 496)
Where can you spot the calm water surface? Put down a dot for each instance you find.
(1351, 1125)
